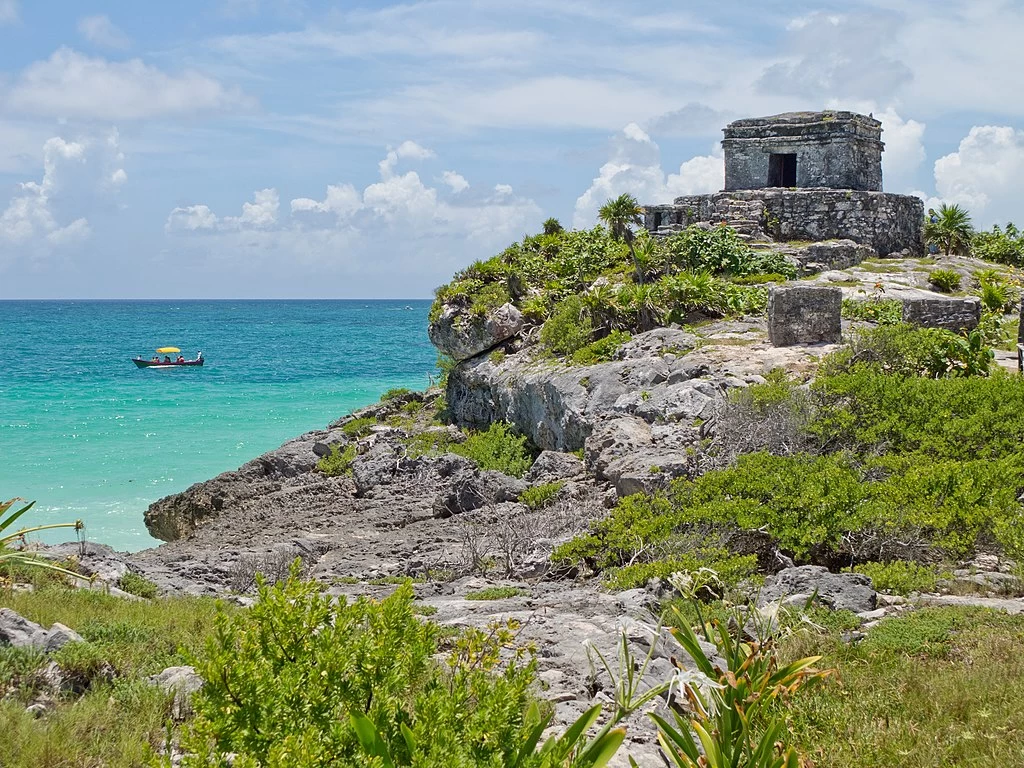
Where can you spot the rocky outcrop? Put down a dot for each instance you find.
(19, 632)
(557, 406)
(460, 335)
(839, 591)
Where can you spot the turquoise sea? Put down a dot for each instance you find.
(89, 436)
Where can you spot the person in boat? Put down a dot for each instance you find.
(199, 355)
(181, 358)
(167, 358)
(156, 359)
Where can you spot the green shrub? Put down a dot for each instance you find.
(569, 328)
(759, 279)
(497, 448)
(946, 280)
(881, 311)
(134, 584)
(901, 577)
(293, 680)
(359, 427)
(338, 462)
(540, 496)
(1003, 246)
(391, 394)
(602, 350)
(904, 350)
(496, 593)
(996, 297)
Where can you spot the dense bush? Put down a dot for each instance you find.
(904, 350)
(1003, 246)
(583, 285)
(497, 448)
(569, 328)
(901, 577)
(338, 462)
(303, 681)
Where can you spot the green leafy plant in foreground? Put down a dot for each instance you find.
(540, 496)
(8, 535)
(496, 593)
(727, 717)
(303, 682)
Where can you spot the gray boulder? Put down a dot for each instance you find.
(19, 632)
(91, 559)
(183, 682)
(58, 636)
(552, 466)
(460, 336)
(478, 489)
(839, 591)
(953, 314)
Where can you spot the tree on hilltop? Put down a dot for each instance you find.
(620, 215)
(552, 226)
(950, 230)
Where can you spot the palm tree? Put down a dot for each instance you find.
(620, 215)
(552, 226)
(950, 230)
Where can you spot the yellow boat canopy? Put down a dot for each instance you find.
(167, 350)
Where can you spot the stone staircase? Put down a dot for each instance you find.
(744, 216)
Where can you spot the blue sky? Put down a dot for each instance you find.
(290, 148)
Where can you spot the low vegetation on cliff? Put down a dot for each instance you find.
(588, 289)
(902, 449)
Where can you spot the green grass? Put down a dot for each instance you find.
(939, 687)
(359, 427)
(902, 577)
(134, 584)
(496, 593)
(114, 723)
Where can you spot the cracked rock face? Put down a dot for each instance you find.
(458, 335)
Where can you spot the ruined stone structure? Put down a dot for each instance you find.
(804, 314)
(810, 176)
(834, 150)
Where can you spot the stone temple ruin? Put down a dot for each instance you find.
(803, 176)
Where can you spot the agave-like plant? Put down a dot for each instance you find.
(727, 718)
(9, 535)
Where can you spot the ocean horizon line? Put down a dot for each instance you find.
(144, 300)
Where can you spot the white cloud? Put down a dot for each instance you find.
(69, 84)
(8, 11)
(985, 174)
(406, 150)
(191, 218)
(635, 167)
(904, 150)
(503, 190)
(395, 221)
(456, 181)
(73, 172)
(262, 213)
(342, 200)
(100, 30)
(824, 57)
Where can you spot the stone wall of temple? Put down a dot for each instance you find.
(887, 223)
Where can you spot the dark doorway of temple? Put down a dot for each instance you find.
(782, 170)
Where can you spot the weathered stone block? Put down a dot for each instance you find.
(804, 315)
(953, 314)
